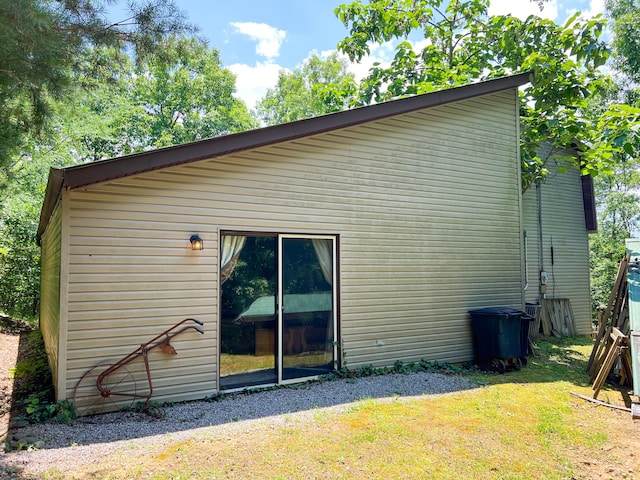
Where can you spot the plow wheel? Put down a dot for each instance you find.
(119, 386)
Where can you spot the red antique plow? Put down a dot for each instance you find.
(110, 386)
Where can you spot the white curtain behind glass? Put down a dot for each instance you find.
(324, 251)
(229, 252)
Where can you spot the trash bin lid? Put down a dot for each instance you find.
(493, 311)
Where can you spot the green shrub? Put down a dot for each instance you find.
(19, 258)
(38, 409)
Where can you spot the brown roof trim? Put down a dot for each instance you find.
(119, 167)
(54, 185)
(588, 194)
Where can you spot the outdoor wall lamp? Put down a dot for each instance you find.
(196, 242)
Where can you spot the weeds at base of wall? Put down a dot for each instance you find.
(32, 374)
(152, 408)
(38, 410)
(216, 397)
(402, 367)
(33, 395)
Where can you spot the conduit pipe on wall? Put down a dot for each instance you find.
(526, 261)
(540, 239)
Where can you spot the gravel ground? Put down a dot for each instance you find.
(89, 439)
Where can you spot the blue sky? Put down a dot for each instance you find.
(258, 38)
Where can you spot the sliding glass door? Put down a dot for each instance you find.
(248, 320)
(307, 306)
(278, 307)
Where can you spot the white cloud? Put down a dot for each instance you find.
(595, 7)
(523, 8)
(252, 82)
(269, 38)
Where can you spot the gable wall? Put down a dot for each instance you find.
(426, 206)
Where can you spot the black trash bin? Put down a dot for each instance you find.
(501, 337)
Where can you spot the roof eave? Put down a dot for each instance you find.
(52, 195)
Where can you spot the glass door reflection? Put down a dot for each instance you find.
(248, 333)
(307, 306)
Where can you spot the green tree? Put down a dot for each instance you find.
(568, 102)
(42, 45)
(19, 257)
(319, 86)
(625, 23)
(74, 133)
(463, 44)
(127, 108)
(617, 194)
(618, 204)
(183, 96)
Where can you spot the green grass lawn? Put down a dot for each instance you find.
(520, 425)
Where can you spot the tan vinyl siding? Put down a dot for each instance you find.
(532, 245)
(426, 206)
(50, 290)
(129, 283)
(563, 226)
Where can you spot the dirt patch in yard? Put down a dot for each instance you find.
(8, 355)
(17, 350)
(10, 334)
